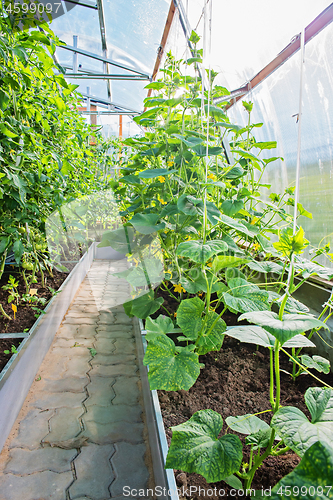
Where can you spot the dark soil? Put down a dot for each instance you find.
(25, 315)
(6, 345)
(235, 381)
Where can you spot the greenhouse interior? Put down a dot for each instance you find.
(166, 228)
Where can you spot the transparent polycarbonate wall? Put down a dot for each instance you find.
(276, 102)
(133, 32)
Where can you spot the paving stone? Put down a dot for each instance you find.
(114, 370)
(123, 319)
(81, 316)
(65, 343)
(130, 468)
(32, 429)
(113, 413)
(108, 333)
(64, 425)
(68, 384)
(27, 462)
(106, 318)
(105, 346)
(56, 366)
(113, 359)
(77, 366)
(87, 331)
(126, 390)
(44, 485)
(100, 391)
(123, 345)
(47, 401)
(67, 331)
(94, 472)
(84, 308)
(113, 432)
(79, 320)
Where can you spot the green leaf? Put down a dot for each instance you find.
(303, 212)
(211, 339)
(18, 250)
(201, 150)
(246, 424)
(121, 240)
(195, 447)
(194, 38)
(295, 429)
(145, 305)
(265, 145)
(259, 439)
(201, 252)
(4, 243)
(169, 370)
(188, 204)
(243, 297)
(189, 317)
(265, 267)
(146, 223)
(234, 224)
(234, 172)
(231, 207)
(155, 172)
(289, 243)
(308, 268)
(148, 272)
(316, 362)
(159, 326)
(234, 482)
(258, 336)
(285, 329)
(223, 261)
(313, 475)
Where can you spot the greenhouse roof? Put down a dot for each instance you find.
(111, 48)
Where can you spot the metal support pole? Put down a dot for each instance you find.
(75, 55)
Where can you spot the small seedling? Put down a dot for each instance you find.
(12, 351)
(37, 379)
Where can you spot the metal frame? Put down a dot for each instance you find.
(317, 25)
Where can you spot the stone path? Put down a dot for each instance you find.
(81, 433)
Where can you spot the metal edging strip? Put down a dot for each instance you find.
(171, 482)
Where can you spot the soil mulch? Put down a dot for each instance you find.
(235, 381)
(25, 315)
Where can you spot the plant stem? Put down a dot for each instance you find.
(4, 313)
(271, 372)
(277, 375)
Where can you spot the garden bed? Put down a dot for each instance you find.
(235, 382)
(25, 315)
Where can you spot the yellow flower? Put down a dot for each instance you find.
(209, 264)
(188, 237)
(175, 314)
(170, 163)
(256, 246)
(161, 200)
(12, 152)
(212, 177)
(178, 288)
(161, 178)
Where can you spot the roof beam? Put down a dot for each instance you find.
(104, 76)
(90, 5)
(317, 25)
(101, 58)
